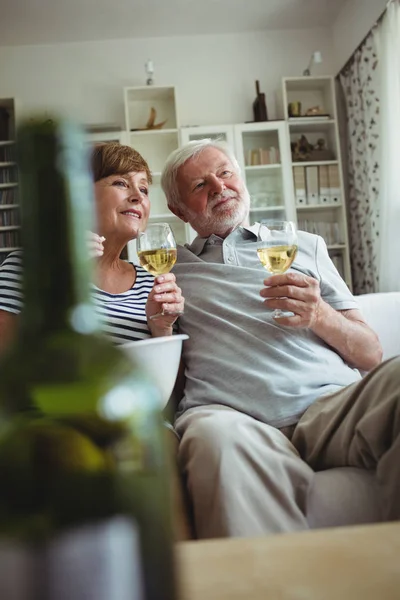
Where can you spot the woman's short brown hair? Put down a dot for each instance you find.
(112, 158)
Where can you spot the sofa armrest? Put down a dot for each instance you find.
(382, 313)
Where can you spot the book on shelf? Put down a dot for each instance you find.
(329, 231)
(9, 217)
(324, 189)
(263, 156)
(8, 196)
(299, 179)
(312, 184)
(9, 238)
(334, 184)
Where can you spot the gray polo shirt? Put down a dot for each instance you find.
(237, 355)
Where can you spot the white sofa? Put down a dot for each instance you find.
(346, 496)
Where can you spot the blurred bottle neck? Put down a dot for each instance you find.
(56, 203)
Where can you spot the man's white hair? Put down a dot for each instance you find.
(177, 158)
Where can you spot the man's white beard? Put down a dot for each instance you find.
(223, 220)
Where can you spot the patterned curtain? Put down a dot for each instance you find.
(359, 82)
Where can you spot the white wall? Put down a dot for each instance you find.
(353, 23)
(214, 74)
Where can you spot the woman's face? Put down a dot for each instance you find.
(123, 205)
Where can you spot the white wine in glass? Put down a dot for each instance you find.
(156, 249)
(277, 247)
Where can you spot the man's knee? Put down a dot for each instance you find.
(216, 434)
(210, 432)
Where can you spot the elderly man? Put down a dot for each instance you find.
(269, 401)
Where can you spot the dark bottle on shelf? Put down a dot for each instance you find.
(259, 105)
(84, 500)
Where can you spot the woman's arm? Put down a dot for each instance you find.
(8, 329)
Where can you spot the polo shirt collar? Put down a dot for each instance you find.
(197, 246)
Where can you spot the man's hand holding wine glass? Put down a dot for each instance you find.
(296, 293)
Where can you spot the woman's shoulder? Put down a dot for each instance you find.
(143, 277)
(12, 263)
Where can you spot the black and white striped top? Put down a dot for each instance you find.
(122, 316)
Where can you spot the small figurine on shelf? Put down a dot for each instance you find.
(321, 152)
(150, 72)
(151, 123)
(317, 111)
(301, 149)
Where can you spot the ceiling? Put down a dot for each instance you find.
(54, 21)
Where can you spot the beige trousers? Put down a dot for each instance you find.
(247, 478)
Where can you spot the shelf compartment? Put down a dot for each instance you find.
(9, 227)
(317, 207)
(140, 100)
(263, 209)
(312, 126)
(11, 184)
(314, 163)
(155, 149)
(7, 206)
(310, 92)
(258, 168)
(134, 134)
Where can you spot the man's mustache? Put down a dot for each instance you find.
(224, 196)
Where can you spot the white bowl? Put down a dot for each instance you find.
(160, 357)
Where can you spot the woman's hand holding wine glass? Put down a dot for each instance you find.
(156, 248)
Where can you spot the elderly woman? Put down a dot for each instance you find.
(124, 294)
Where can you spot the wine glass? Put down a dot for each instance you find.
(156, 249)
(277, 248)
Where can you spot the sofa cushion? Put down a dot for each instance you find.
(343, 496)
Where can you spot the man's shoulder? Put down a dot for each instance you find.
(307, 241)
(185, 254)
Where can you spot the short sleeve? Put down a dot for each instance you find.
(11, 298)
(333, 289)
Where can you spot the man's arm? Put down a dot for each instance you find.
(345, 331)
(8, 329)
(348, 333)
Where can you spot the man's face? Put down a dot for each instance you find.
(213, 196)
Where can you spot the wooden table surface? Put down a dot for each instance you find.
(347, 563)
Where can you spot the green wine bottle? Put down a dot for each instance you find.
(82, 461)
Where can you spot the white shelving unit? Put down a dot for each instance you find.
(9, 208)
(321, 210)
(264, 154)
